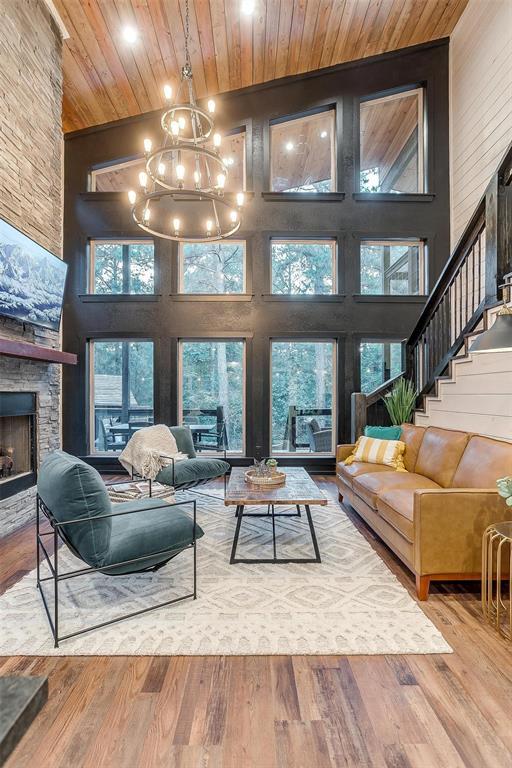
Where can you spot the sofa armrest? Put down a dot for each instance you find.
(448, 528)
(344, 451)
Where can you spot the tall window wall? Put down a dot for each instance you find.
(258, 342)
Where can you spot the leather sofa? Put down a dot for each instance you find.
(432, 516)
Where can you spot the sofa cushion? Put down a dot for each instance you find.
(191, 470)
(184, 440)
(383, 433)
(375, 451)
(483, 462)
(440, 453)
(397, 508)
(347, 473)
(370, 486)
(412, 436)
(160, 529)
(73, 490)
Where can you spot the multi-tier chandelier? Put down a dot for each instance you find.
(182, 191)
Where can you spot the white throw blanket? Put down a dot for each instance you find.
(147, 450)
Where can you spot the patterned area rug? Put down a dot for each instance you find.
(349, 604)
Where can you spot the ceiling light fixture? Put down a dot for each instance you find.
(182, 187)
(247, 7)
(289, 146)
(130, 35)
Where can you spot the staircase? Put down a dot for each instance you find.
(458, 389)
(476, 393)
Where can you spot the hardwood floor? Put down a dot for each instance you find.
(438, 711)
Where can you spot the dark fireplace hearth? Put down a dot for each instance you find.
(18, 450)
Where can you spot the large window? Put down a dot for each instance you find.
(123, 176)
(303, 405)
(121, 266)
(391, 143)
(303, 154)
(380, 361)
(212, 385)
(118, 177)
(212, 268)
(392, 267)
(303, 267)
(121, 391)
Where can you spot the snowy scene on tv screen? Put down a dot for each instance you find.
(31, 280)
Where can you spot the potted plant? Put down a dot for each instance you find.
(504, 486)
(400, 401)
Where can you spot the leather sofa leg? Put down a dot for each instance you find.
(422, 586)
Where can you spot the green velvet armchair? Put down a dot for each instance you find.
(114, 539)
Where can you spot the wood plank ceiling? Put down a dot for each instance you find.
(105, 78)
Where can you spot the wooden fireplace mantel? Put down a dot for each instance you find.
(30, 351)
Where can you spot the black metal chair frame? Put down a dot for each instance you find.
(182, 486)
(58, 531)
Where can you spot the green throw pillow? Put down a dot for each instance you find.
(383, 433)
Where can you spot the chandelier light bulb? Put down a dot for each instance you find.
(180, 172)
(181, 122)
(209, 225)
(146, 215)
(175, 127)
(211, 106)
(221, 180)
(233, 216)
(147, 145)
(161, 169)
(143, 179)
(132, 196)
(167, 92)
(176, 224)
(240, 199)
(197, 178)
(217, 139)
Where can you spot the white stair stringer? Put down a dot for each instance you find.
(476, 396)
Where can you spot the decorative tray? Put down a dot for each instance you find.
(274, 478)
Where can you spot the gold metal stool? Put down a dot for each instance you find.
(496, 608)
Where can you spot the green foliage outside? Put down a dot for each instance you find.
(302, 268)
(108, 359)
(380, 361)
(302, 375)
(109, 273)
(213, 268)
(212, 376)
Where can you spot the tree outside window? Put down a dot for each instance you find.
(392, 267)
(380, 361)
(303, 383)
(213, 268)
(303, 267)
(122, 267)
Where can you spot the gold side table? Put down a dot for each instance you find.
(497, 561)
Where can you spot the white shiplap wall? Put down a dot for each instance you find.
(480, 103)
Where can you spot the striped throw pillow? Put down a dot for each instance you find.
(375, 451)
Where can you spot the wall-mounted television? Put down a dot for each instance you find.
(32, 280)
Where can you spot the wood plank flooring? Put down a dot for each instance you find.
(438, 711)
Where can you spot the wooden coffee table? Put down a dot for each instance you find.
(299, 490)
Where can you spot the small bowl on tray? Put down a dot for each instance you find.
(276, 477)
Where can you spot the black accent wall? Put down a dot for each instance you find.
(345, 215)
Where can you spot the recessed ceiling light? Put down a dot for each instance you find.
(323, 135)
(247, 7)
(130, 34)
(289, 146)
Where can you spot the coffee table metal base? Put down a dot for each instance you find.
(271, 513)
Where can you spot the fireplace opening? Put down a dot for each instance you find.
(17, 442)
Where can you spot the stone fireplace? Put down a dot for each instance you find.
(18, 448)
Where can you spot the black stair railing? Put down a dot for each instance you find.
(468, 285)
